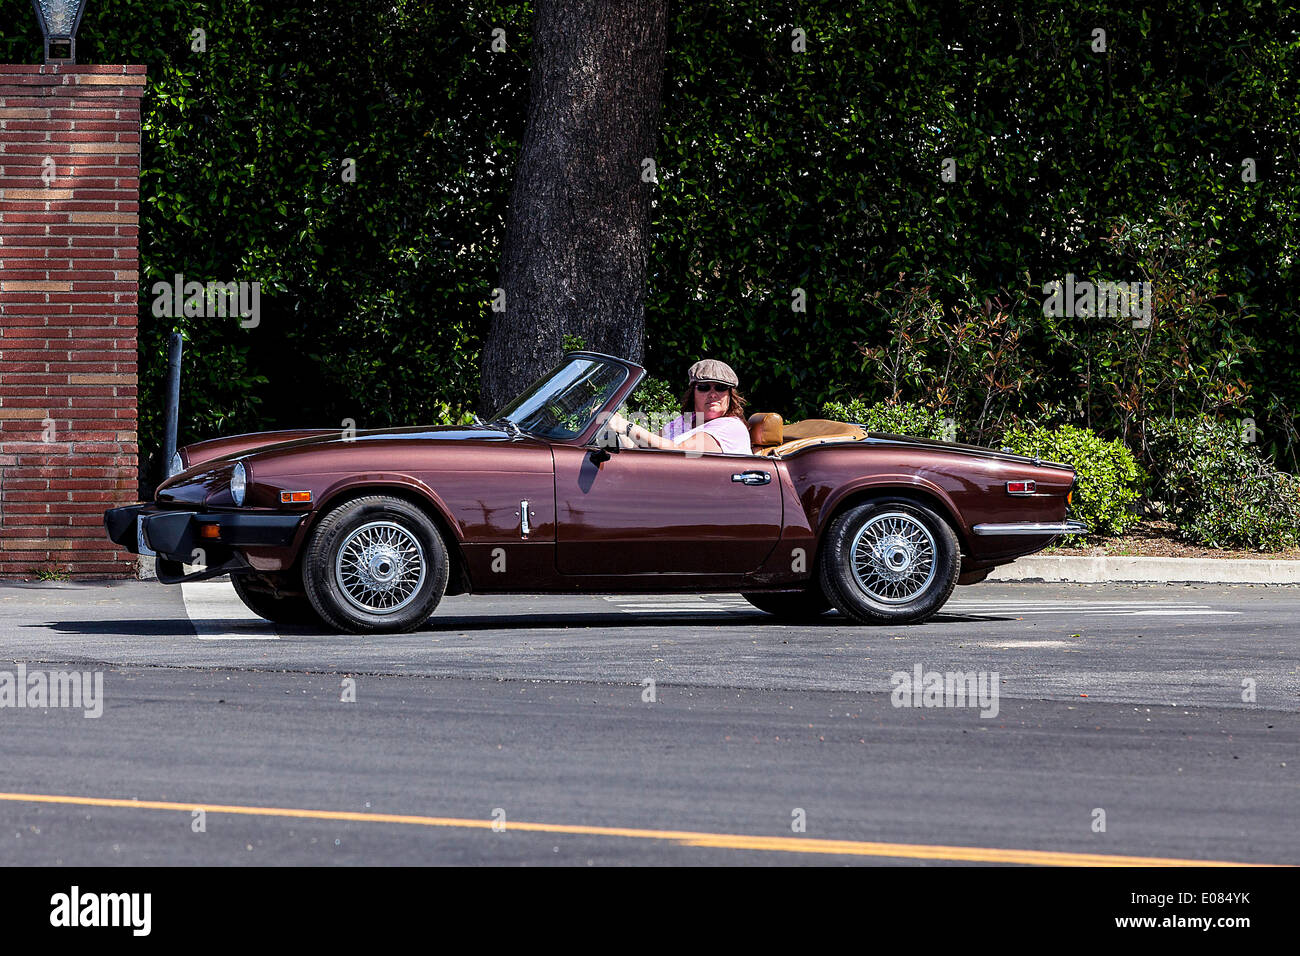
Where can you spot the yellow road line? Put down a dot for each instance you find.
(726, 841)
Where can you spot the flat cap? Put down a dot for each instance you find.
(711, 370)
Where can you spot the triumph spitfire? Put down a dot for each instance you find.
(368, 531)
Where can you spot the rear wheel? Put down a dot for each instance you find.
(375, 564)
(889, 561)
(259, 597)
(791, 605)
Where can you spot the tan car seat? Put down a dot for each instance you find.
(765, 431)
(769, 435)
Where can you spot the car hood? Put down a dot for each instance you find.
(240, 445)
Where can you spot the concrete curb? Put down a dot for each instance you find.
(1102, 569)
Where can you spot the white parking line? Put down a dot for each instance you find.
(1102, 608)
(217, 614)
(1162, 611)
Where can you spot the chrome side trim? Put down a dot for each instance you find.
(1033, 527)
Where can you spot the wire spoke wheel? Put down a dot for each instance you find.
(380, 567)
(893, 557)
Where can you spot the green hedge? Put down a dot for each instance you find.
(1110, 479)
(1219, 490)
(901, 418)
(796, 184)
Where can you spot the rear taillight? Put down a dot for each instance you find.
(1021, 487)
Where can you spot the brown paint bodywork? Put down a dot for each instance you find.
(214, 448)
(640, 520)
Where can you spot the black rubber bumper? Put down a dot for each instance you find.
(175, 535)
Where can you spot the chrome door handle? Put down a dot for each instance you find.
(752, 478)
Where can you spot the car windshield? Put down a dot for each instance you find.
(563, 402)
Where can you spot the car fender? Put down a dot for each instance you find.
(348, 486)
(893, 482)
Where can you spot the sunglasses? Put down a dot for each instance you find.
(703, 387)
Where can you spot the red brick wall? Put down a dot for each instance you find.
(69, 261)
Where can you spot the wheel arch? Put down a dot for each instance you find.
(417, 494)
(923, 494)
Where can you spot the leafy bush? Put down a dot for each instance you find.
(968, 360)
(655, 402)
(1110, 480)
(440, 413)
(1219, 490)
(896, 418)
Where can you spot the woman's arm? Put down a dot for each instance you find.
(700, 441)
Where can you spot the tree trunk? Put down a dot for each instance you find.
(578, 231)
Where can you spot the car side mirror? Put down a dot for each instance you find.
(603, 443)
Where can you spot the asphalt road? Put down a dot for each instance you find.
(517, 730)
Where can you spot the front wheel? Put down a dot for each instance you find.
(375, 564)
(289, 609)
(791, 605)
(889, 561)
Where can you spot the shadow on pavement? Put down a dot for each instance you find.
(502, 622)
(136, 628)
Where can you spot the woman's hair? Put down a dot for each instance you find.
(735, 408)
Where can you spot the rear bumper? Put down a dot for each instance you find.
(186, 537)
(1039, 528)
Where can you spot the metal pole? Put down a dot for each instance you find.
(173, 399)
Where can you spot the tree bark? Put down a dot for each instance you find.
(578, 230)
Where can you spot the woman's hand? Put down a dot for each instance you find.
(616, 423)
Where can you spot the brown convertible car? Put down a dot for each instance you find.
(368, 531)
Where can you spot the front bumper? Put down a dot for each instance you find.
(186, 537)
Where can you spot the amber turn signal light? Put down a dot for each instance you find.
(209, 531)
(294, 497)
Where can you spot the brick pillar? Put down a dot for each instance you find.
(69, 261)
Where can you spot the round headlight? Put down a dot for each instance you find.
(175, 466)
(238, 483)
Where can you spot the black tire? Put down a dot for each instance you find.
(895, 582)
(397, 587)
(289, 609)
(791, 605)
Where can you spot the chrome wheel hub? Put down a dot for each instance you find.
(893, 557)
(380, 567)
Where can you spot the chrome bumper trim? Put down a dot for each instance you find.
(1033, 527)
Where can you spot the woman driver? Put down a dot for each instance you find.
(712, 418)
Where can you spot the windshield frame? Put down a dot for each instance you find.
(632, 375)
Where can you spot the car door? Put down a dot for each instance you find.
(658, 511)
